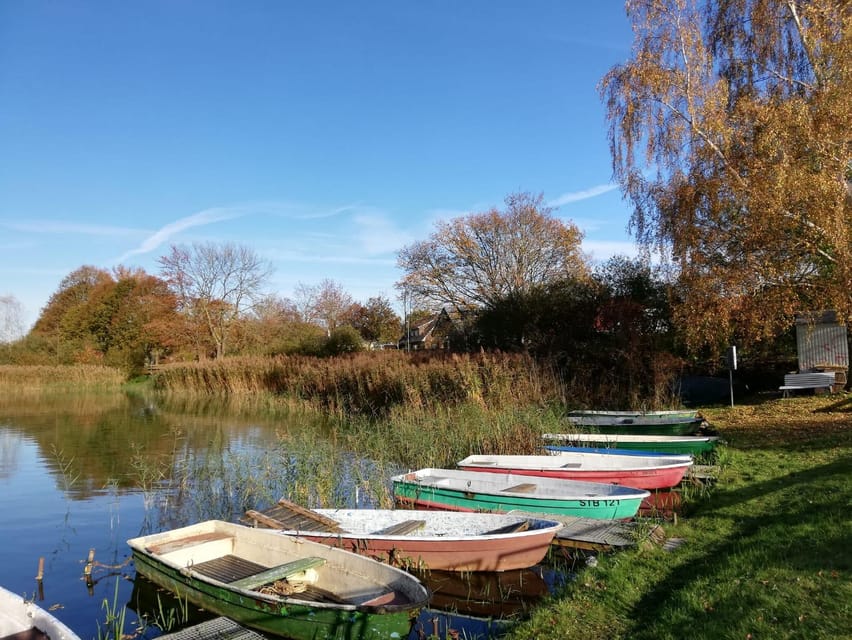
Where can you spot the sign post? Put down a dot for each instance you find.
(731, 357)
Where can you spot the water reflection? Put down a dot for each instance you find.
(88, 471)
(505, 594)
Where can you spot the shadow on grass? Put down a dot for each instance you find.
(785, 562)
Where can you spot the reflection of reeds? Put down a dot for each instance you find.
(65, 466)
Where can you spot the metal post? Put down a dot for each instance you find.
(731, 357)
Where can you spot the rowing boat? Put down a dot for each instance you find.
(694, 445)
(435, 540)
(460, 490)
(640, 472)
(283, 585)
(22, 619)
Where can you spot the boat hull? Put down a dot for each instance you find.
(417, 489)
(297, 622)
(447, 550)
(291, 617)
(638, 426)
(687, 414)
(638, 479)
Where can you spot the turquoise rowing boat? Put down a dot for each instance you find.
(456, 490)
(693, 445)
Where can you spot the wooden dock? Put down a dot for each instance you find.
(589, 534)
(215, 629)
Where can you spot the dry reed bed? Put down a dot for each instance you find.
(35, 377)
(371, 384)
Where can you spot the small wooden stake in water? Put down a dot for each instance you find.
(40, 574)
(87, 570)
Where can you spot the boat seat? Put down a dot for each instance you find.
(189, 541)
(27, 634)
(515, 527)
(526, 487)
(401, 528)
(278, 573)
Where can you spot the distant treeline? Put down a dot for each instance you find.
(607, 338)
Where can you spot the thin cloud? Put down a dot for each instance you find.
(378, 235)
(200, 219)
(59, 227)
(585, 194)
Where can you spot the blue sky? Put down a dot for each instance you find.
(324, 135)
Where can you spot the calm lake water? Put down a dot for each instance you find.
(81, 474)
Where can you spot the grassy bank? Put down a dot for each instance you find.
(767, 554)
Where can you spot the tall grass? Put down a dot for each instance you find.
(59, 377)
(372, 384)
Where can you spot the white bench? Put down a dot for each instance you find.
(799, 381)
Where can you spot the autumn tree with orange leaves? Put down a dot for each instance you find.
(730, 136)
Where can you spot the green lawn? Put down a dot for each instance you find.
(767, 552)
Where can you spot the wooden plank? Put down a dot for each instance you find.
(265, 520)
(27, 634)
(289, 515)
(278, 573)
(228, 568)
(189, 541)
(401, 528)
(526, 487)
(313, 515)
(590, 534)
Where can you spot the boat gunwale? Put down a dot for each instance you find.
(617, 492)
(520, 469)
(551, 526)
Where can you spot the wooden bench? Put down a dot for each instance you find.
(801, 381)
(278, 573)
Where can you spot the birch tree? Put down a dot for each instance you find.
(215, 284)
(730, 137)
(11, 319)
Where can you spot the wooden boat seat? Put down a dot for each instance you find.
(526, 487)
(189, 541)
(278, 573)
(516, 527)
(401, 528)
(27, 634)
